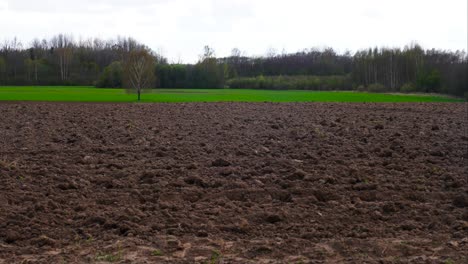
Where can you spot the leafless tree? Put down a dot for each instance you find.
(271, 52)
(2, 69)
(63, 46)
(236, 53)
(208, 53)
(139, 71)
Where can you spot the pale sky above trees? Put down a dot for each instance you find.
(179, 29)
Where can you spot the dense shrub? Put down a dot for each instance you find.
(361, 88)
(376, 88)
(408, 88)
(111, 77)
(293, 83)
(429, 81)
(204, 74)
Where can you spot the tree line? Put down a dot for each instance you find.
(62, 60)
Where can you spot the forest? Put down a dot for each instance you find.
(61, 60)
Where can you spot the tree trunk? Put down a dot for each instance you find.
(35, 70)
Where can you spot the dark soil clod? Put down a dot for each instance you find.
(220, 163)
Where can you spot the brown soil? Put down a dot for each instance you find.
(233, 183)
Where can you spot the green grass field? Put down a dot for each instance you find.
(91, 94)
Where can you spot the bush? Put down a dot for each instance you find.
(111, 77)
(376, 88)
(361, 88)
(300, 82)
(408, 88)
(429, 81)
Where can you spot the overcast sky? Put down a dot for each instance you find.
(180, 28)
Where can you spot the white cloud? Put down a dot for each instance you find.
(3, 5)
(183, 27)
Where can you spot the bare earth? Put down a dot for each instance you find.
(233, 183)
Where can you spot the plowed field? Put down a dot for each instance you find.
(233, 183)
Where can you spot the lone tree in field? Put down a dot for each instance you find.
(138, 71)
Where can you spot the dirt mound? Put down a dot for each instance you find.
(233, 183)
